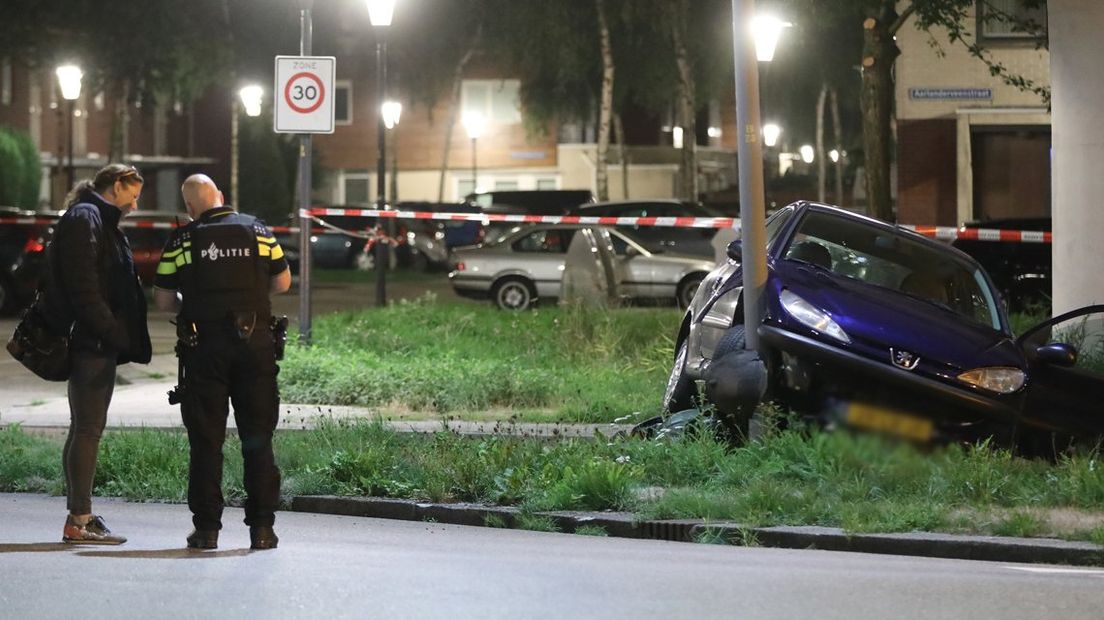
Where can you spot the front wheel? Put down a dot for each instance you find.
(679, 395)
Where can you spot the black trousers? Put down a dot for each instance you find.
(91, 383)
(223, 367)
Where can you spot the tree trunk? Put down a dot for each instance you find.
(685, 102)
(601, 167)
(879, 54)
(837, 139)
(619, 130)
(117, 141)
(822, 168)
(454, 109)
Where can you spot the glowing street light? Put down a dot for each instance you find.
(69, 79)
(808, 153)
(380, 12)
(834, 155)
(391, 111)
(766, 30)
(251, 97)
(771, 132)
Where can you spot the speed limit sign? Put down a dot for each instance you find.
(304, 94)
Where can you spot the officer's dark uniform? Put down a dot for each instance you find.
(223, 263)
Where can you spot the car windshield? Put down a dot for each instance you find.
(853, 249)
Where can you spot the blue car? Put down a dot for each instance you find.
(869, 325)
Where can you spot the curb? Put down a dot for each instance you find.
(625, 525)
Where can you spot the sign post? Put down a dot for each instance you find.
(304, 104)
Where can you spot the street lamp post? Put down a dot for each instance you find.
(380, 13)
(473, 123)
(69, 78)
(248, 99)
(391, 111)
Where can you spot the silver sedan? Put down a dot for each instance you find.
(527, 264)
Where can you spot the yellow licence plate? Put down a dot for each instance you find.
(880, 419)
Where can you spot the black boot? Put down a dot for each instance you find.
(203, 539)
(262, 537)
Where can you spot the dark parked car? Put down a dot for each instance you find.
(1021, 271)
(695, 241)
(23, 238)
(526, 202)
(870, 325)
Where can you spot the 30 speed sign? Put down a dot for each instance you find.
(304, 94)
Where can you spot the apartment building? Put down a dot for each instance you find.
(969, 146)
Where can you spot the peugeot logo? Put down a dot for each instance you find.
(903, 359)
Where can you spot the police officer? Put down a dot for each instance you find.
(217, 273)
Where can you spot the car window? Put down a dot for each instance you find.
(550, 240)
(856, 250)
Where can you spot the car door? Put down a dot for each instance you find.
(636, 274)
(1065, 372)
(541, 253)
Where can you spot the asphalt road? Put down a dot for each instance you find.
(347, 567)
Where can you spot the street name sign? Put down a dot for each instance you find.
(304, 94)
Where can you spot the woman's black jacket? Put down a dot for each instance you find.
(92, 283)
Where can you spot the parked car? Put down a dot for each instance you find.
(23, 238)
(526, 202)
(870, 325)
(147, 232)
(527, 264)
(1021, 271)
(696, 241)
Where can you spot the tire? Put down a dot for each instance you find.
(514, 294)
(679, 394)
(733, 340)
(685, 292)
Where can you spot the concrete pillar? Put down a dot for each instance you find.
(1076, 48)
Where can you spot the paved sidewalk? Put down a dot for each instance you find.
(140, 401)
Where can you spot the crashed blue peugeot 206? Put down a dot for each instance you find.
(870, 325)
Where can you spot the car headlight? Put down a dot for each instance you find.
(809, 315)
(999, 379)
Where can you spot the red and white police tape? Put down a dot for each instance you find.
(943, 233)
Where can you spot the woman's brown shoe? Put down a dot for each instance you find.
(94, 532)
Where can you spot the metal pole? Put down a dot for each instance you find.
(69, 149)
(235, 162)
(304, 198)
(475, 168)
(382, 257)
(752, 201)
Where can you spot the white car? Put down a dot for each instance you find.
(527, 264)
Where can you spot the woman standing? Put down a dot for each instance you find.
(96, 290)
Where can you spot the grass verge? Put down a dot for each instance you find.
(571, 365)
(860, 483)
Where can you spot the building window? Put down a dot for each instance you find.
(546, 184)
(464, 187)
(356, 188)
(343, 102)
(1010, 20)
(495, 100)
(505, 185)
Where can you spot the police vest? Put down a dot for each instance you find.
(227, 275)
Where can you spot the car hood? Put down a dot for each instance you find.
(877, 319)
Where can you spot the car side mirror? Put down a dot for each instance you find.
(631, 252)
(735, 251)
(1057, 354)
